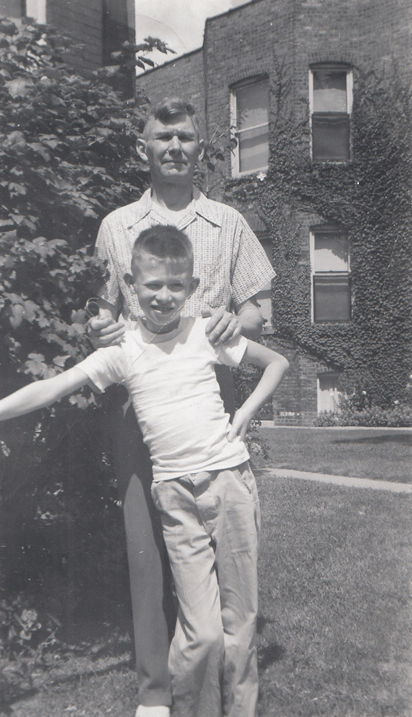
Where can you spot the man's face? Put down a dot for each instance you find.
(172, 149)
(162, 287)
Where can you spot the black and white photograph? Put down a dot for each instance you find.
(205, 358)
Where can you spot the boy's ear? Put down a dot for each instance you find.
(141, 149)
(201, 149)
(193, 285)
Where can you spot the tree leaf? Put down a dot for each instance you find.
(19, 87)
(60, 360)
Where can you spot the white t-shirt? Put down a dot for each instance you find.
(172, 383)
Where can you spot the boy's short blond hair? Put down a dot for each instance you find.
(164, 242)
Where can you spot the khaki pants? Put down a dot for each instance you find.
(210, 525)
(150, 583)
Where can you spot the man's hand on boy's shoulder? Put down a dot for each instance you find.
(104, 331)
(224, 326)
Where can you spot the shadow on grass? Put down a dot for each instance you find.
(82, 644)
(270, 654)
(73, 678)
(403, 438)
(7, 700)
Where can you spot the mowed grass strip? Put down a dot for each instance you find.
(335, 625)
(378, 454)
(335, 601)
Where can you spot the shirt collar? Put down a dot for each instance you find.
(200, 205)
(209, 210)
(143, 205)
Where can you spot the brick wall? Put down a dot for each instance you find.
(10, 8)
(100, 25)
(183, 77)
(250, 40)
(84, 22)
(247, 40)
(362, 33)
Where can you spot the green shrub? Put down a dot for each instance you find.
(397, 417)
(68, 157)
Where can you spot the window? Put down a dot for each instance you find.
(264, 297)
(35, 9)
(331, 296)
(250, 117)
(328, 393)
(330, 100)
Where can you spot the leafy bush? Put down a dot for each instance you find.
(246, 377)
(396, 417)
(68, 147)
(21, 631)
(24, 638)
(68, 157)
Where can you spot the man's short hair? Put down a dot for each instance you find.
(169, 107)
(164, 242)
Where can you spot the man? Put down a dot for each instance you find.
(232, 268)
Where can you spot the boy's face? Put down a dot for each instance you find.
(162, 287)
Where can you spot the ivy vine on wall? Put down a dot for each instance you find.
(370, 199)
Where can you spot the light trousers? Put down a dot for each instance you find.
(210, 526)
(150, 583)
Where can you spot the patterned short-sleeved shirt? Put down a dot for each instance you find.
(228, 258)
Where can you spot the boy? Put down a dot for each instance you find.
(203, 486)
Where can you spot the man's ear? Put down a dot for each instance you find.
(129, 280)
(193, 285)
(201, 149)
(141, 149)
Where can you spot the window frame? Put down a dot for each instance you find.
(316, 231)
(334, 377)
(235, 154)
(331, 67)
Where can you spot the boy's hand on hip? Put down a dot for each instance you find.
(222, 327)
(104, 332)
(240, 424)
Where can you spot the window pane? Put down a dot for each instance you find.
(330, 137)
(36, 9)
(331, 252)
(253, 149)
(328, 394)
(329, 91)
(252, 103)
(331, 298)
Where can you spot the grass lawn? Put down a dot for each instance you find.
(335, 577)
(359, 453)
(335, 626)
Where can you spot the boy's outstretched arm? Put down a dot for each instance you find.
(275, 367)
(42, 393)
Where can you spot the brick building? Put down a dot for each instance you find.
(229, 81)
(99, 25)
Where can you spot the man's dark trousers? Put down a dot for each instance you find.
(150, 581)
